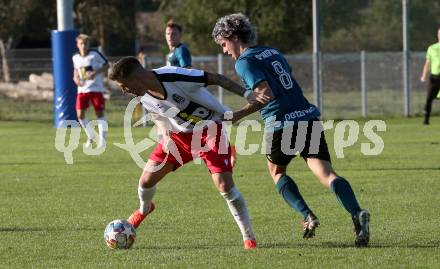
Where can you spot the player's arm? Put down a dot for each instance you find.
(263, 89)
(232, 86)
(425, 71)
(163, 129)
(76, 78)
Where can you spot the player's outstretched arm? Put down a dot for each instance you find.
(225, 82)
(232, 86)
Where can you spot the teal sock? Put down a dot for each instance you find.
(290, 192)
(345, 195)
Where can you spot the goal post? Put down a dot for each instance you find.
(63, 48)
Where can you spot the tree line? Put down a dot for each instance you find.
(372, 25)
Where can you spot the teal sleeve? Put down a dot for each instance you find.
(249, 72)
(184, 57)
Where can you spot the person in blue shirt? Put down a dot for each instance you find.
(289, 120)
(179, 54)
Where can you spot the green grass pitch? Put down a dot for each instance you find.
(53, 214)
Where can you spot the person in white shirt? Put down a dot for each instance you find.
(88, 66)
(182, 106)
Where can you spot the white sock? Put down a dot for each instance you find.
(85, 124)
(238, 209)
(102, 128)
(145, 197)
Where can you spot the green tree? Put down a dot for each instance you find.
(20, 18)
(107, 21)
(424, 23)
(281, 23)
(377, 25)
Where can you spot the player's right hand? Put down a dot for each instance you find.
(258, 97)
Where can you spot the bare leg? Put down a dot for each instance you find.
(81, 114)
(147, 189)
(236, 203)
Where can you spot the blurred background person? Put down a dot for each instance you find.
(179, 54)
(432, 65)
(88, 66)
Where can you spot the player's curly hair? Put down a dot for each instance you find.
(123, 68)
(236, 24)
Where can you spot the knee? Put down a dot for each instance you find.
(80, 114)
(224, 186)
(277, 175)
(276, 172)
(100, 113)
(327, 180)
(147, 180)
(223, 181)
(146, 184)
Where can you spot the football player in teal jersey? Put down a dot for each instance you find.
(287, 116)
(179, 54)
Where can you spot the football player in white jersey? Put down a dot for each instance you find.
(181, 103)
(88, 66)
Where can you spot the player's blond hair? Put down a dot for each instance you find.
(83, 37)
(236, 24)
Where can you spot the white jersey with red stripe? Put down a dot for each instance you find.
(187, 101)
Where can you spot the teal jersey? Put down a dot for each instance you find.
(180, 56)
(258, 64)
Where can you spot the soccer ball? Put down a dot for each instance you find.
(119, 234)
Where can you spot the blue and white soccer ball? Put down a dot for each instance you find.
(119, 234)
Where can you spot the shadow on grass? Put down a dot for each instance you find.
(185, 247)
(420, 245)
(393, 169)
(299, 246)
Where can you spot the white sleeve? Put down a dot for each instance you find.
(98, 60)
(204, 97)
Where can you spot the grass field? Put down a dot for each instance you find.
(336, 105)
(53, 214)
